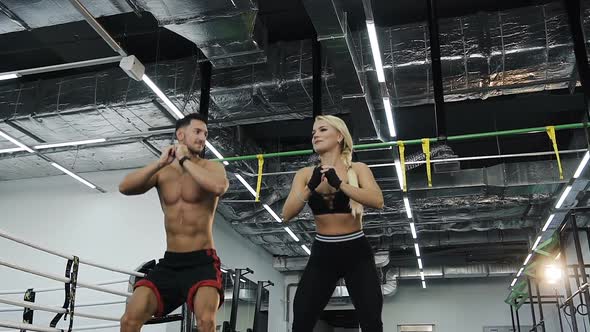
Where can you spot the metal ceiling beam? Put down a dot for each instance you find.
(574, 13)
(135, 7)
(155, 151)
(206, 71)
(439, 102)
(571, 86)
(65, 66)
(25, 131)
(316, 56)
(11, 15)
(331, 25)
(98, 28)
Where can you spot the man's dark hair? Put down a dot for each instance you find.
(180, 123)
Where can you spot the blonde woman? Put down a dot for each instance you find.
(336, 191)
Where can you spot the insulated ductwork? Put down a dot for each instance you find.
(18, 15)
(331, 25)
(224, 30)
(510, 178)
(109, 104)
(286, 264)
(457, 271)
(483, 55)
(437, 151)
(389, 288)
(390, 285)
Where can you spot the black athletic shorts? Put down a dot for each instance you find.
(177, 277)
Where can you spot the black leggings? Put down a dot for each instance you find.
(352, 260)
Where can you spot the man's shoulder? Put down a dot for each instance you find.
(213, 164)
(165, 173)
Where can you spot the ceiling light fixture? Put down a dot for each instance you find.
(162, 96)
(389, 117)
(408, 209)
(74, 143)
(563, 197)
(10, 76)
(306, 249)
(582, 165)
(16, 142)
(70, 173)
(413, 229)
(375, 50)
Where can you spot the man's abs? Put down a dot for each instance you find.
(188, 227)
(188, 212)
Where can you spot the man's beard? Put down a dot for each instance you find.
(195, 152)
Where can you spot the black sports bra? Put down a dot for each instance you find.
(336, 202)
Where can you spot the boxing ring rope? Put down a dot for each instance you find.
(57, 310)
(11, 237)
(28, 327)
(64, 279)
(53, 289)
(82, 328)
(95, 327)
(83, 305)
(31, 305)
(34, 306)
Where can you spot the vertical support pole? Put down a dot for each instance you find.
(439, 102)
(205, 68)
(577, 277)
(558, 311)
(573, 8)
(566, 280)
(316, 57)
(517, 318)
(233, 319)
(528, 281)
(186, 324)
(259, 292)
(540, 302)
(28, 313)
(581, 266)
(512, 317)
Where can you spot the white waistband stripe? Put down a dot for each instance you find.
(339, 238)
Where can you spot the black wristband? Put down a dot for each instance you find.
(315, 179)
(333, 178)
(182, 160)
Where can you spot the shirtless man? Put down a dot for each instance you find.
(189, 188)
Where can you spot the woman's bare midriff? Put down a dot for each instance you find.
(337, 224)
